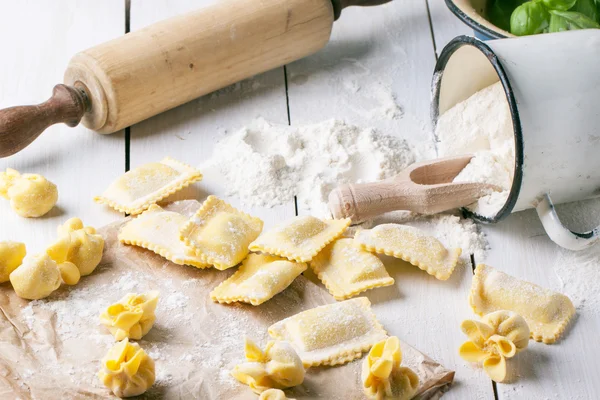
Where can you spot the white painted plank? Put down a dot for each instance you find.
(376, 54)
(446, 26)
(520, 247)
(37, 39)
(189, 132)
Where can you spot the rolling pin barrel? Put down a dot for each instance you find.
(169, 63)
(129, 79)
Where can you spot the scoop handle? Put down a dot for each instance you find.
(339, 5)
(21, 125)
(364, 201)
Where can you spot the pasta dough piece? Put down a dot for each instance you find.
(147, 184)
(547, 313)
(382, 375)
(36, 278)
(277, 367)
(158, 230)
(498, 336)
(127, 370)
(347, 270)
(11, 256)
(220, 233)
(259, 278)
(69, 273)
(300, 238)
(132, 316)
(30, 195)
(273, 394)
(79, 245)
(412, 245)
(331, 334)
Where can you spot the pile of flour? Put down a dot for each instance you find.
(481, 125)
(268, 164)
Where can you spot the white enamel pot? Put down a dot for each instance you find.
(552, 85)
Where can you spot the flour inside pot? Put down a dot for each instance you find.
(481, 125)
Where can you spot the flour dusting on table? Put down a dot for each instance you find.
(267, 164)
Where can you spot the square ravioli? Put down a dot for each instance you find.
(412, 245)
(300, 238)
(147, 184)
(331, 334)
(259, 278)
(547, 312)
(220, 233)
(346, 270)
(158, 230)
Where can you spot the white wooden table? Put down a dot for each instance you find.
(393, 45)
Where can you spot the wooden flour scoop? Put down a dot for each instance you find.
(424, 188)
(129, 79)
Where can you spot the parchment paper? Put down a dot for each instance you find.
(51, 348)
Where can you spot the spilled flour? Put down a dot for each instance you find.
(481, 125)
(267, 164)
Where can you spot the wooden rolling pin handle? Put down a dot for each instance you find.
(364, 201)
(339, 5)
(21, 125)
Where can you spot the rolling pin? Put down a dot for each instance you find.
(424, 187)
(129, 79)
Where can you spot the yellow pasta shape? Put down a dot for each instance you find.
(277, 367)
(158, 230)
(498, 336)
(273, 394)
(412, 245)
(220, 234)
(127, 370)
(79, 245)
(11, 256)
(300, 238)
(30, 195)
(347, 270)
(382, 375)
(132, 316)
(547, 312)
(259, 278)
(331, 334)
(36, 278)
(147, 184)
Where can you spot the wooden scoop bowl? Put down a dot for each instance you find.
(424, 188)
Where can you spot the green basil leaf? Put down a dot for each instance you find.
(576, 20)
(558, 24)
(561, 5)
(587, 8)
(499, 12)
(529, 19)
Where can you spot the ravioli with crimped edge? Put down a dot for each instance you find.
(300, 238)
(258, 279)
(346, 270)
(220, 233)
(148, 184)
(412, 245)
(157, 230)
(331, 334)
(547, 313)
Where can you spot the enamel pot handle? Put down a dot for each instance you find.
(560, 234)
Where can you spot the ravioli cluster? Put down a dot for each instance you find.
(77, 252)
